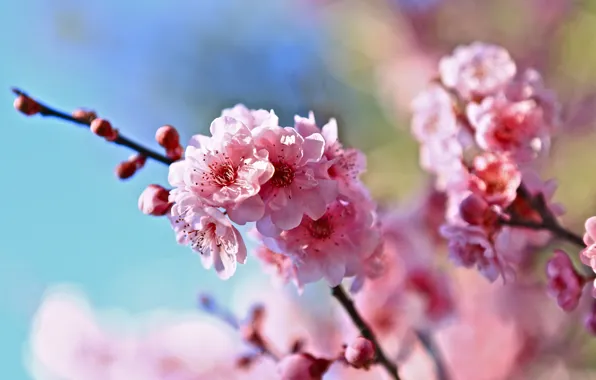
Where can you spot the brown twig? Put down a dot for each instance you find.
(432, 350)
(48, 111)
(342, 297)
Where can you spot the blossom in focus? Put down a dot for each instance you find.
(477, 70)
(564, 283)
(224, 170)
(471, 246)
(210, 233)
(588, 254)
(300, 183)
(346, 164)
(503, 126)
(251, 118)
(333, 246)
(495, 178)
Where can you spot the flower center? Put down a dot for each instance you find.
(321, 228)
(201, 240)
(283, 176)
(224, 175)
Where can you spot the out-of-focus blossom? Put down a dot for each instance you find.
(517, 128)
(588, 255)
(302, 367)
(471, 246)
(224, 170)
(300, 183)
(495, 178)
(210, 233)
(477, 70)
(564, 283)
(433, 116)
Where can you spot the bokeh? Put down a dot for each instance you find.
(67, 220)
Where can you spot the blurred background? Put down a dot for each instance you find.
(65, 217)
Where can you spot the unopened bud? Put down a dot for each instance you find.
(361, 353)
(103, 128)
(168, 137)
(473, 209)
(84, 116)
(26, 105)
(126, 169)
(138, 159)
(154, 201)
(175, 154)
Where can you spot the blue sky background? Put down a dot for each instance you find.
(65, 217)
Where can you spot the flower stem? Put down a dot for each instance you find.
(48, 111)
(430, 347)
(342, 297)
(556, 229)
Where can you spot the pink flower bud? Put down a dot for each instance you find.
(168, 137)
(175, 153)
(564, 283)
(138, 159)
(126, 169)
(84, 115)
(154, 201)
(473, 209)
(302, 367)
(361, 353)
(26, 105)
(103, 128)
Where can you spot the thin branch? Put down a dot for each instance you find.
(342, 297)
(435, 354)
(48, 111)
(556, 229)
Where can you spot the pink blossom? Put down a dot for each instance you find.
(564, 283)
(476, 211)
(432, 287)
(210, 233)
(154, 201)
(528, 85)
(433, 116)
(251, 118)
(302, 367)
(346, 164)
(503, 126)
(333, 246)
(280, 265)
(471, 246)
(225, 170)
(477, 70)
(300, 183)
(68, 343)
(495, 178)
(588, 254)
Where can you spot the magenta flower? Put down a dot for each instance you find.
(333, 246)
(251, 118)
(564, 283)
(495, 178)
(470, 246)
(433, 116)
(346, 165)
(503, 126)
(477, 70)
(210, 233)
(300, 183)
(225, 170)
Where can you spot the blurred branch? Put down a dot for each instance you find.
(342, 297)
(434, 353)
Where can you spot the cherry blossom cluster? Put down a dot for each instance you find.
(484, 125)
(298, 184)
